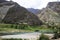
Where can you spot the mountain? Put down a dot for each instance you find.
(12, 12)
(51, 14)
(2, 1)
(35, 11)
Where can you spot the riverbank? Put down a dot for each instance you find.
(8, 31)
(30, 36)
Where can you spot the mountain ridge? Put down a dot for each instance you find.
(19, 14)
(35, 11)
(51, 14)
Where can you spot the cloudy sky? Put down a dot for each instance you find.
(37, 4)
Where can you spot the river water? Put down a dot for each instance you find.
(29, 35)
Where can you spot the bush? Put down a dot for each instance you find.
(56, 33)
(43, 37)
(56, 36)
(11, 26)
(11, 39)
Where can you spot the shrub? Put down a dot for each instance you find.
(11, 39)
(11, 26)
(56, 33)
(56, 36)
(43, 37)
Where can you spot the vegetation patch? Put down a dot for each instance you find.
(24, 28)
(44, 37)
(13, 39)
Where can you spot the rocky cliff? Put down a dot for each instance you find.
(1, 1)
(11, 12)
(51, 14)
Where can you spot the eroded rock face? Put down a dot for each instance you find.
(3, 10)
(51, 14)
(55, 6)
(11, 12)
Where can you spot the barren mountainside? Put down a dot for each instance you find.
(51, 14)
(35, 11)
(11, 12)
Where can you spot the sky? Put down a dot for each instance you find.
(36, 4)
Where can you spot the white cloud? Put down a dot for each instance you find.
(29, 3)
(33, 3)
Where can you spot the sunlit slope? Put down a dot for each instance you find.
(50, 14)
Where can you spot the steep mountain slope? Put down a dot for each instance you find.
(51, 14)
(35, 11)
(14, 13)
(4, 7)
(2, 1)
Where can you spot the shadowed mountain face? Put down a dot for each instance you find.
(2, 1)
(12, 12)
(51, 14)
(35, 11)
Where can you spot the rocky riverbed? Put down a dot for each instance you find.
(30, 36)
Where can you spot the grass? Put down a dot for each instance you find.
(11, 28)
(22, 28)
(13, 39)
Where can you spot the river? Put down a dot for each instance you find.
(30, 35)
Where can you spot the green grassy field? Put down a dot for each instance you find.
(23, 28)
